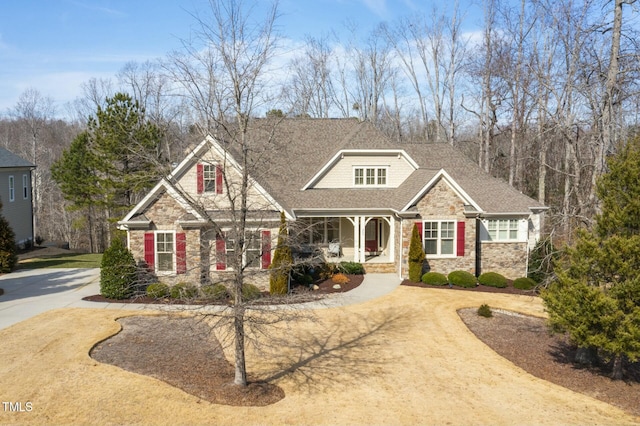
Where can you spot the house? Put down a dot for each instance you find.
(15, 194)
(346, 190)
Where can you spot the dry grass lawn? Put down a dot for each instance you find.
(406, 358)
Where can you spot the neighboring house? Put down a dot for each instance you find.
(15, 194)
(357, 193)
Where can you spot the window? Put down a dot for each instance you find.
(164, 251)
(209, 177)
(502, 229)
(25, 186)
(320, 230)
(439, 238)
(12, 189)
(370, 176)
(253, 256)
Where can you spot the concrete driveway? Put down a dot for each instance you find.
(34, 291)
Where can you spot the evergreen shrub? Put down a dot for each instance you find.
(215, 291)
(416, 256)
(351, 268)
(524, 283)
(117, 271)
(183, 291)
(485, 311)
(462, 279)
(8, 250)
(492, 279)
(250, 292)
(158, 290)
(434, 278)
(282, 261)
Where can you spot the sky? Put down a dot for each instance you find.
(54, 46)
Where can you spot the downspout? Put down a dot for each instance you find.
(478, 247)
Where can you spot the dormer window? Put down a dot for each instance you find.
(370, 176)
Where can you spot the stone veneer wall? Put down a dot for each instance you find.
(442, 203)
(200, 248)
(508, 259)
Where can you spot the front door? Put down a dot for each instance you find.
(371, 236)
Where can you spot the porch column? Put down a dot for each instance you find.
(392, 239)
(363, 224)
(356, 238)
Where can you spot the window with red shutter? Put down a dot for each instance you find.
(181, 253)
(149, 250)
(266, 249)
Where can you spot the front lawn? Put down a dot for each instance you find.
(70, 260)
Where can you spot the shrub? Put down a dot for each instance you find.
(117, 271)
(462, 279)
(250, 292)
(215, 291)
(416, 255)
(157, 290)
(434, 278)
(485, 311)
(351, 268)
(542, 260)
(282, 261)
(492, 279)
(8, 252)
(340, 279)
(183, 291)
(524, 283)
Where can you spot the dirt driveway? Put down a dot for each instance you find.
(405, 358)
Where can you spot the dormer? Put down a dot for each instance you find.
(359, 168)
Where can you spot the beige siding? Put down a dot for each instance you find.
(341, 174)
(19, 211)
(212, 201)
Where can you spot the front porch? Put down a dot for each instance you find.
(365, 239)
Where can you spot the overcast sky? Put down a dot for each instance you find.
(56, 45)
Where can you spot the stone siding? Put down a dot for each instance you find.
(442, 203)
(508, 259)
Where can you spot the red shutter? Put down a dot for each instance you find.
(460, 239)
(266, 249)
(419, 225)
(218, 179)
(200, 178)
(221, 253)
(181, 253)
(149, 249)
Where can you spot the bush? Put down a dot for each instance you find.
(340, 279)
(183, 291)
(250, 292)
(462, 279)
(351, 268)
(117, 271)
(282, 261)
(434, 278)
(485, 311)
(542, 260)
(157, 290)
(416, 255)
(8, 249)
(215, 291)
(524, 283)
(492, 279)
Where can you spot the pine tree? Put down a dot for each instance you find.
(596, 298)
(8, 256)
(416, 256)
(282, 261)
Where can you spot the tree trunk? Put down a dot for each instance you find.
(240, 367)
(617, 373)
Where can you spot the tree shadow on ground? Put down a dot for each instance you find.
(341, 352)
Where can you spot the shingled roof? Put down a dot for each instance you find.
(298, 148)
(9, 159)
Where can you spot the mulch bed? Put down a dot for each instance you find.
(526, 342)
(324, 288)
(483, 288)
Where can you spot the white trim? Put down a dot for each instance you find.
(439, 255)
(12, 188)
(25, 187)
(344, 152)
(156, 264)
(452, 184)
